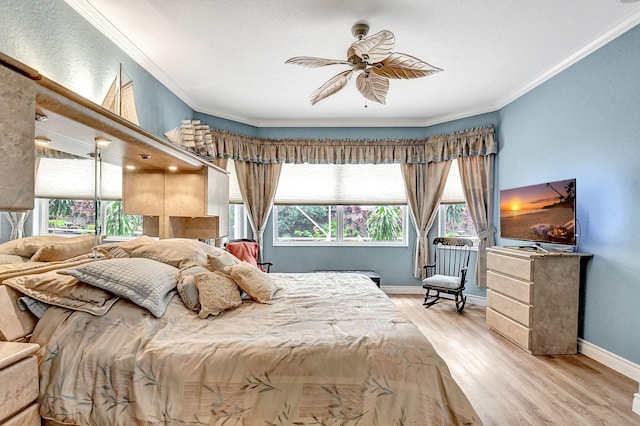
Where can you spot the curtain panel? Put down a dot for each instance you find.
(212, 144)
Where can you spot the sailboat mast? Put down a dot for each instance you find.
(119, 91)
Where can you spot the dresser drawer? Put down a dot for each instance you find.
(509, 328)
(18, 386)
(509, 286)
(519, 268)
(30, 416)
(509, 308)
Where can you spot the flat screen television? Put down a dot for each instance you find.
(543, 213)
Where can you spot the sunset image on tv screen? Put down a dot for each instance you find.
(542, 213)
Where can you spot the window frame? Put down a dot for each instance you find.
(339, 241)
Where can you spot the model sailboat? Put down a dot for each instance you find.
(120, 99)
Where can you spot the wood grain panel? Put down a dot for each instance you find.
(18, 386)
(509, 328)
(519, 268)
(28, 417)
(512, 287)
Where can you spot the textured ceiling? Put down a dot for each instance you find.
(227, 57)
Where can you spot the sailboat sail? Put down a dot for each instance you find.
(119, 99)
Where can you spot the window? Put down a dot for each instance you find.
(66, 216)
(455, 221)
(237, 222)
(339, 225)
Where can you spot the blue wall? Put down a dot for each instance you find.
(585, 123)
(52, 38)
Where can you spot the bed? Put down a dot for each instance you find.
(303, 349)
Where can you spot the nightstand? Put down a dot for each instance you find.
(19, 385)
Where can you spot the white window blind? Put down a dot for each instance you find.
(453, 188)
(74, 179)
(345, 184)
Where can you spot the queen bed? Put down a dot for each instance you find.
(303, 349)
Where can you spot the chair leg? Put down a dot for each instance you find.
(430, 299)
(461, 299)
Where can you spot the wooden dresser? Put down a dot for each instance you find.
(533, 298)
(19, 386)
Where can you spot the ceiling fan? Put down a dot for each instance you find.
(373, 57)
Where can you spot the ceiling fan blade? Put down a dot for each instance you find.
(375, 48)
(334, 84)
(373, 87)
(309, 61)
(400, 65)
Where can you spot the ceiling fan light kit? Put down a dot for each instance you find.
(373, 58)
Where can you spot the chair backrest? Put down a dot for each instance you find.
(244, 249)
(451, 255)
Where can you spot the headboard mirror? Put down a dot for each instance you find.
(83, 146)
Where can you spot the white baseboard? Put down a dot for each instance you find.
(615, 362)
(412, 289)
(611, 360)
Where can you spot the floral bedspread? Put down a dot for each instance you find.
(330, 350)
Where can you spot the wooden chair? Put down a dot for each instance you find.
(248, 250)
(448, 272)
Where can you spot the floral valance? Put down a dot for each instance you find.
(208, 143)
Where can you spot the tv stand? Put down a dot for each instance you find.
(536, 248)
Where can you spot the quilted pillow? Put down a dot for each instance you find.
(63, 250)
(178, 252)
(187, 286)
(217, 292)
(257, 284)
(63, 290)
(145, 282)
(26, 247)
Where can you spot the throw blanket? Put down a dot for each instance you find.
(331, 350)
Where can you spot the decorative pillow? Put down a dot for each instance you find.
(187, 286)
(11, 258)
(63, 290)
(123, 249)
(64, 250)
(257, 284)
(26, 247)
(145, 282)
(219, 261)
(177, 252)
(217, 292)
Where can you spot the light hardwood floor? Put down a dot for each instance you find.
(507, 386)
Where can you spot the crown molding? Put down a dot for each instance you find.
(102, 24)
(580, 54)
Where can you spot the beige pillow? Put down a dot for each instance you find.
(178, 252)
(187, 286)
(63, 290)
(257, 284)
(26, 247)
(219, 261)
(64, 250)
(123, 249)
(217, 293)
